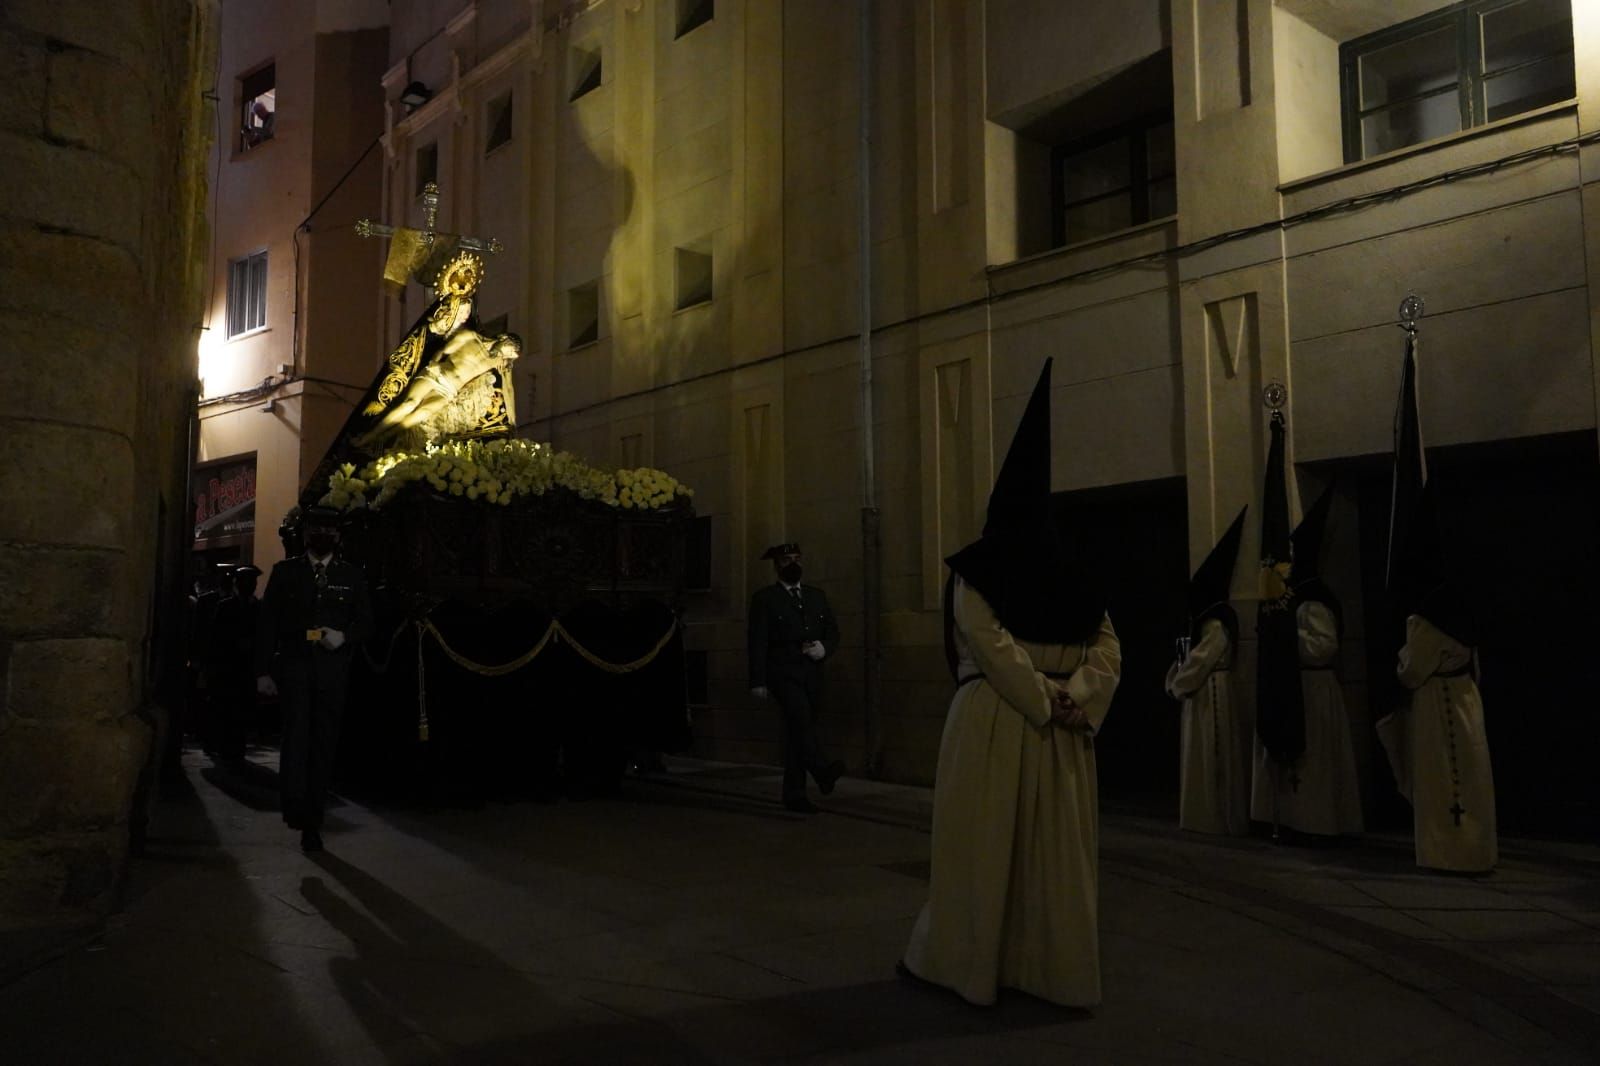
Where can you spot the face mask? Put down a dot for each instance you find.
(321, 543)
(790, 573)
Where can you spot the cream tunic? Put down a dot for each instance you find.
(1214, 792)
(1014, 895)
(1440, 753)
(1321, 792)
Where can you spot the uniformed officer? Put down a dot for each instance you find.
(313, 615)
(792, 631)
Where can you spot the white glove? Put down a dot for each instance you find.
(759, 692)
(814, 650)
(265, 686)
(332, 639)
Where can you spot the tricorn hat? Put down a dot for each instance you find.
(779, 550)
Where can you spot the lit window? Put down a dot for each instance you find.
(498, 124)
(1456, 68)
(247, 294)
(693, 14)
(1114, 180)
(585, 67)
(258, 107)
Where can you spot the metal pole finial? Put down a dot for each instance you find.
(1410, 310)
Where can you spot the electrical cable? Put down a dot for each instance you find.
(1205, 244)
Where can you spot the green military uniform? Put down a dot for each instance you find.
(312, 679)
(782, 620)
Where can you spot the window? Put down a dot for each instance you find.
(427, 166)
(1114, 180)
(692, 275)
(583, 315)
(585, 67)
(247, 294)
(1459, 67)
(258, 107)
(693, 14)
(498, 123)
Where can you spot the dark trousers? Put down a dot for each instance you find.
(800, 698)
(311, 693)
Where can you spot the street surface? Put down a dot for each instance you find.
(693, 920)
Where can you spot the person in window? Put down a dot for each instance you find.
(1013, 898)
(314, 614)
(1438, 748)
(1318, 795)
(791, 632)
(1214, 784)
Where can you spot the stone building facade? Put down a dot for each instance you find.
(703, 200)
(104, 123)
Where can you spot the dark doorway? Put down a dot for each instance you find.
(1522, 524)
(1136, 539)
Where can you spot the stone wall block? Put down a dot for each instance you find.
(55, 777)
(79, 279)
(121, 29)
(66, 373)
(64, 485)
(64, 188)
(22, 104)
(49, 592)
(97, 103)
(67, 680)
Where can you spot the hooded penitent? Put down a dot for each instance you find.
(1425, 580)
(1280, 706)
(1022, 566)
(1208, 588)
(1305, 575)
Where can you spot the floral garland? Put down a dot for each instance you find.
(498, 471)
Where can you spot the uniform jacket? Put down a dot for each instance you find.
(293, 604)
(777, 629)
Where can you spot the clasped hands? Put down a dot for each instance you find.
(1066, 713)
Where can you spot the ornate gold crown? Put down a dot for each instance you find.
(460, 276)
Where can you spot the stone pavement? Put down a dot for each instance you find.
(693, 920)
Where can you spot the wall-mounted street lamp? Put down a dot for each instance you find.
(414, 96)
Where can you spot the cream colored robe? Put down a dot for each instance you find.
(1014, 895)
(1214, 786)
(1440, 753)
(1321, 792)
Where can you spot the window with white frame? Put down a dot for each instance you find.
(247, 294)
(1456, 68)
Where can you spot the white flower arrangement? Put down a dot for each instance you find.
(496, 472)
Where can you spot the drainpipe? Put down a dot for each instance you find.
(871, 558)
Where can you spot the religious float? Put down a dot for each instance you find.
(527, 603)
